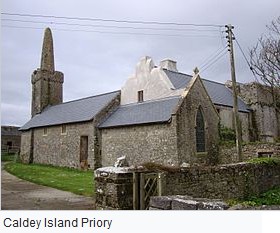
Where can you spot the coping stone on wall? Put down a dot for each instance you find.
(179, 202)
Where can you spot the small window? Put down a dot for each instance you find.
(45, 132)
(63, 129)
(140, 96)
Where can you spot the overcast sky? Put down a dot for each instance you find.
(95, 62)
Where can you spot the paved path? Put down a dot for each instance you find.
(17, 194)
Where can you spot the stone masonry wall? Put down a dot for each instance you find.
(15, 139)
(186, 126)
(259, 98)
(223, 182)
(142, 143)
(63, 149)
(226, 116)
(25, 147)
(114, 186)
(178, 202)
(228, 154)
(103, 114)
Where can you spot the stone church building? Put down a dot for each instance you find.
(159, 115)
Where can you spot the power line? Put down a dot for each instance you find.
(218, 58)
(111, 20)
(247, 61)
(112, 32)
(110, 26)
(212, 56)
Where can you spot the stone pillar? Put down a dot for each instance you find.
(114, 188)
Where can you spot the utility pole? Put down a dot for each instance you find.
(235, 103)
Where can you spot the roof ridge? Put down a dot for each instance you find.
(177, 72)
(88, 97)
(213, 81)
(191, 76)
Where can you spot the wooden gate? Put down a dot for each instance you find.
(145, 185)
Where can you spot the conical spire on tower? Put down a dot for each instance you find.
(47, 58)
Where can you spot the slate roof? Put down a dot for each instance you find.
(218, 92)
(156, 111)
(221, 95)
(10, 131)
(69, 112)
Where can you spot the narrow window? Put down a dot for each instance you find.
(140, 96)
(200, 131)
(45, 132)
(63, 129)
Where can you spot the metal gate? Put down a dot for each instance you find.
(145, 185)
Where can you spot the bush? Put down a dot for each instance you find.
(264, 160)
(271, 197)
(227, 134)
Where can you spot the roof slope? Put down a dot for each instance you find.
(221, 95)
(74, 111)
(218, 92)
(10, 131)
(155, 111)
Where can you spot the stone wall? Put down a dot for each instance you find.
(172, 143)
(142, 143)
(114, 186)
(14, 140)
(26, 150)
(186, 126)
(226, 117)
(10, 139)
(179, 202)
(228, 153)
(99, 117)
(223, 182)
(266, 122)
(63, 149)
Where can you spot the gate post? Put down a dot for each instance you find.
(136, 191)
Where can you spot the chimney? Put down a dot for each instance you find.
(169, 65)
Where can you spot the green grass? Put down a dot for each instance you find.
(5, 157)
(72, 180)
(271, 197)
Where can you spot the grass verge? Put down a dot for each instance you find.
(67, 179)
(5, 157)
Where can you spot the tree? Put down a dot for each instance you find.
(265, 56)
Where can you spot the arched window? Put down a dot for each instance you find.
(200, 131)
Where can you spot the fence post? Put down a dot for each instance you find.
(135, 190)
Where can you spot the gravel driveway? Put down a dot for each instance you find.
(17, 194)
